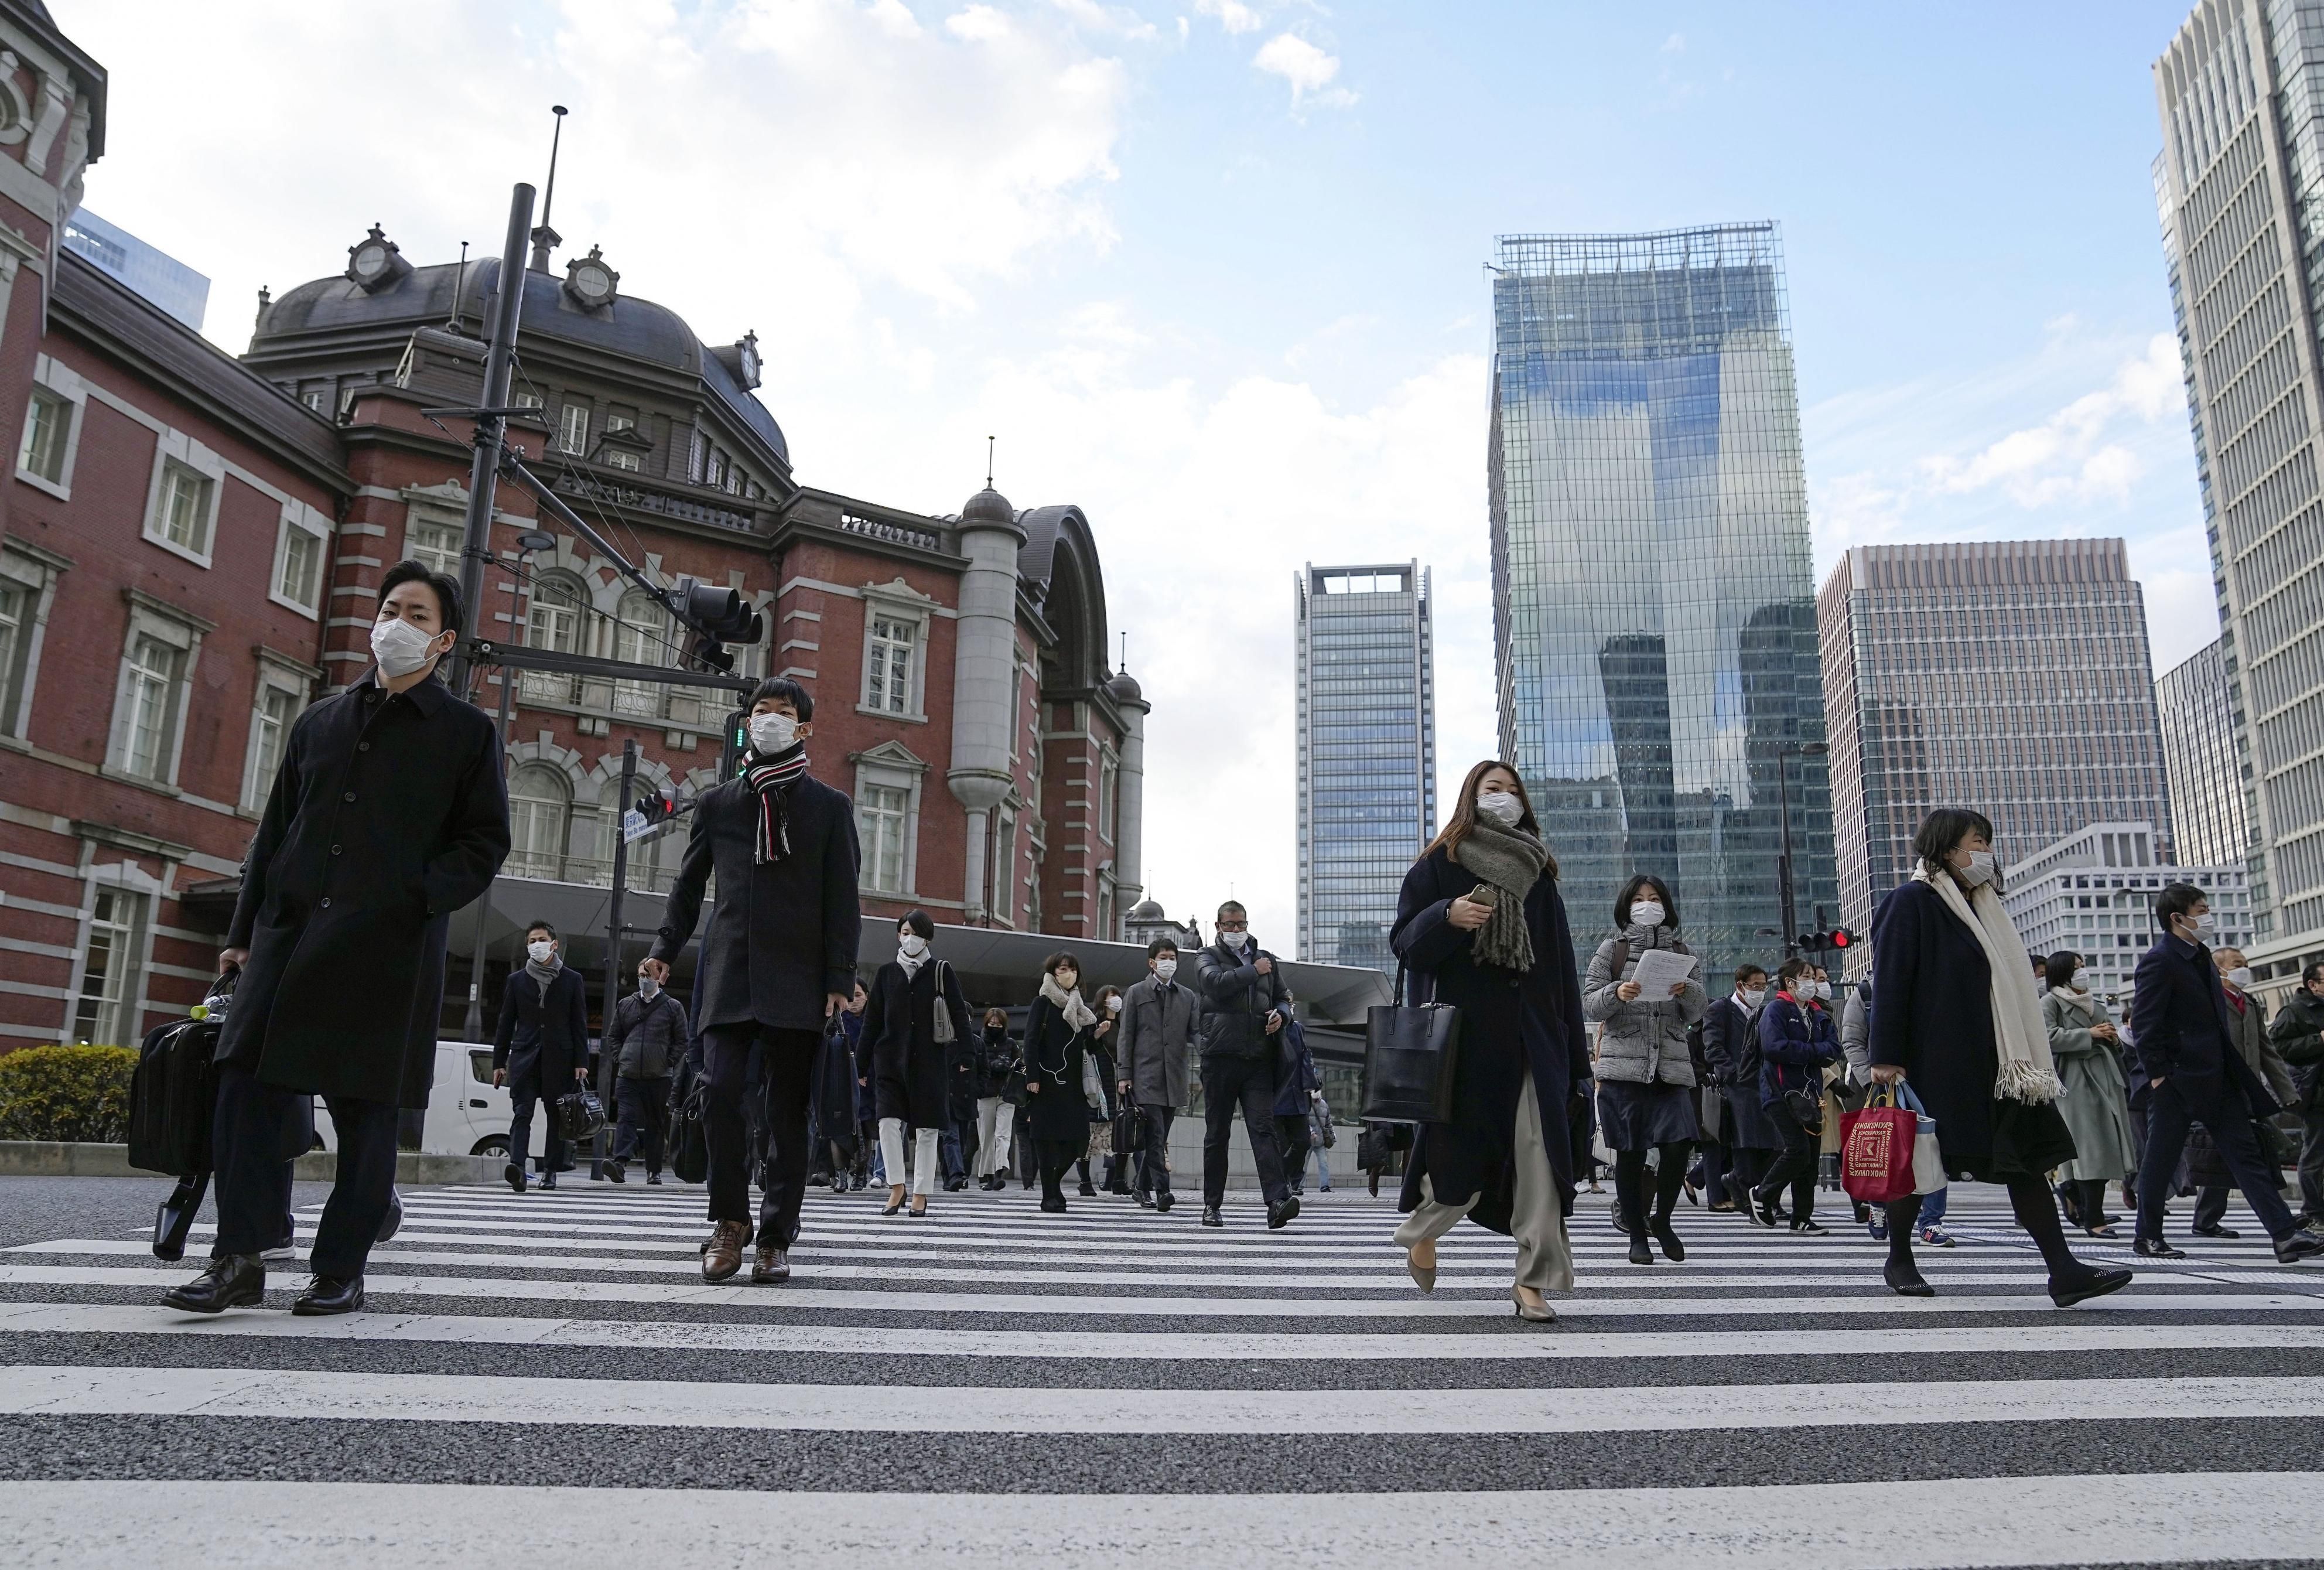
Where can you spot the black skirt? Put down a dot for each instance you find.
(1638, 1117)
(2028, 1140)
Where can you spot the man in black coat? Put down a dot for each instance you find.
(777, 961)
(1731, 1163)
(1244, 1007)
(643, 1048)
(541, 1050)
(2190, 1071)
(388, 813)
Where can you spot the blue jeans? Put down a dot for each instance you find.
(1932, 1208)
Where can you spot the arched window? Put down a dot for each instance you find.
(541, 805)
(554, 622)
(641, 636)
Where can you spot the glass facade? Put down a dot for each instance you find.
(1653, 591)
(2192, 701)
(1367, 724)
(2011, 677)
(2239, 187)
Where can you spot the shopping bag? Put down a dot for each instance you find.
(1876, 1149)
(1928, 1156)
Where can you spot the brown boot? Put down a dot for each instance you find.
(772, 1265)
(723, 1256)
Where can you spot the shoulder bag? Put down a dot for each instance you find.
(1410, 1053)
(944, 1033)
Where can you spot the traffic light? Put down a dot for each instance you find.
(720, 617)
(1839, 940)
(655, 806)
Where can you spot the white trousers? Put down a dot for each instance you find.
(924, 1155)
(1545, 1254)
(996, 1120)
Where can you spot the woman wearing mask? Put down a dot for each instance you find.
(1097, 1074)
(1957, 1020)
(1645, 1075)
(1058, 1028)
(994, 1121)
(2093, 1099)
(1482, 925)
(1796, 1040)
(915, 1012)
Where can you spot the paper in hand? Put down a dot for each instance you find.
(1658, 970)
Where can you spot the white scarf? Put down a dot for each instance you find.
(911, 961)
(2020, 1039)
(1068, 1003)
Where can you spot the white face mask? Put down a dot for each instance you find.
(1165, 969)
(2241, 976)
(400, 647)
(1235, 939)
(543, 950)
(1501, 805)
(1114, 1005)
(912, 944)
(650, 988)
(773, 732)
(2206, 929)
(2082, 982)
(1754, 996)
(1980, 869)
(1646, 914)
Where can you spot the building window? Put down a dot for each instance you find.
(541, 805)
(103, 1015)
(149, 693)
(299, 558)
(882, 817)
(269, 728)
(1109, 773)
(313, 398)
(715, 476)
(435, 544)
(888, 674)
(527, 401)
(640, 637)
(186, 509)
(1105, 909)
(553, 622)
(696, 449)
(622, 457)
(26, 582)
(1004, 866)
(48, 421)
(573, 429)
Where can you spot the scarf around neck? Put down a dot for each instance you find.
(2020, 1039)
(912, 962)
(1068, 1003)
(772, 778)
(544, 973)
(1511, 861)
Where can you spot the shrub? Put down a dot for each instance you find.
(66, 1093)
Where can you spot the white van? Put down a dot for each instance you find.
(468, 1114)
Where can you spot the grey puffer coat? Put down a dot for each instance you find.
(1645, 1041)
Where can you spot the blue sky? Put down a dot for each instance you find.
(1214, 269)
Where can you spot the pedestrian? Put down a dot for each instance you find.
(964, 1064)
(2247, 1029)
(1855, 1047)
(1242, 1013)
(648, 1039)
(1157, 1037)
(1796, 1040)
(831, 1098)
(1295, 1084)
(1730, 1045)
(1646, 1074)
(1321, 1137)
(1100, 1072)
(2095, 1100)
(915, 1015)
(997, 1061)
(1956, 1017)
(780, 954)
(541, 1050)
(2297, 1033)
(387, 814)
(1057, 1032)
(1482, 925)
(863, 1104)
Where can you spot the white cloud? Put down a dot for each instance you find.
(1308, 69)
(1674, 44)
(978, 24)
(1233, 15)
(2070, 455)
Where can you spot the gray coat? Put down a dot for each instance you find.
(1157, 1034)
(2259, 1054)
(1645, 1041)
(2094, 1101)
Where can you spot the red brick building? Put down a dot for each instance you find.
(191, 546)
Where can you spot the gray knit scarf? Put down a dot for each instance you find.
(544, 973)
(1511, 861)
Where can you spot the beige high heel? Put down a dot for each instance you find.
(1544, 1314)
(1422, 1276)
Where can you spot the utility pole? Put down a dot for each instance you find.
(607, 1068)
(491, 431)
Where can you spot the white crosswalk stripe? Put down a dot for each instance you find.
(992, 1382)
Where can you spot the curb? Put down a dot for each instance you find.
(65, 1158)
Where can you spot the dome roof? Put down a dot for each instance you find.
(988, 506)
(1125, 688)
(1145, 911)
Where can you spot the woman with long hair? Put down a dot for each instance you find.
(1057, 1030)
(2094, 1098)
(1956, 1017)
(910, 1075)
(1646, 1075)
(1482, 925)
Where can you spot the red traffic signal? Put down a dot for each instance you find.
(655, 806)
(1842, 937)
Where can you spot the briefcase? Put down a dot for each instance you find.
(1129, 1130)
(174, 1087)
(1411, 1051)
(580, 1115)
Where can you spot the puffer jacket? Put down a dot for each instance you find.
(1796, 1040)
(2296, 1034)
(1644, 1041)
(1236, 1000)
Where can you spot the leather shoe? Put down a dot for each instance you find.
(1905, 1281)
(394, 1222)
(2155, 1248)
(2299, 1246)
(1640, 1254)
(1210, 1216)
(515, 1176)
(2218, 1232)
(548, 1179)
(723, 1256)
(772, 1265)
(329, 1295)
(231, 1282)
(1278, 1216)
(2066, 1291)
(1422, 1276)
(1163, 1202)
(614, 1173)
(1145, 1201)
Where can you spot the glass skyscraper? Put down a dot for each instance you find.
(1653, 591)
(2198, 761)
(1367, 721)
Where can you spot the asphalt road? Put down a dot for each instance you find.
(549, 1374)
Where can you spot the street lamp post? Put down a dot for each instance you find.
(1784, 865)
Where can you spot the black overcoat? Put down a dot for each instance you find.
(911, 1074)
(2179, 1025)
(782, 935)
(389, 813)
(1509, 1024)
(543, 1038)
(1059, 1110)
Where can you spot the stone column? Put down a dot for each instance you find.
(1130, 797)
(984, 658)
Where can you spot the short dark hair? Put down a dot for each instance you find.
(1943, 830)
(533, 927)
(1233, 905)
(919, 921)
(2308, 977)
(1744, 973)
(2177, 900)
(2041, 961)
(1790, 969)
(784, 688)
(446, 588)
(1637, 885)
(2059, 969)
(1160, 946)
(1055, 961)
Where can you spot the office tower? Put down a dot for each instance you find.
(2094, 891)
(1367, 720)
(2193, 702)
(1652, 595)
(2237, 185)
(160, 277)
(2008, 675)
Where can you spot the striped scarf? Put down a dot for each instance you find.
(772, 778)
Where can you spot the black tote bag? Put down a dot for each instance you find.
(1410, 1052)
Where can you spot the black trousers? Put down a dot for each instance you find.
(787, 1067)
(2217, 1103)
(2311, 1160)
(256, 1131)
(2211, 1205)
(1293, 1137)
(1056, 1158)
(641, 1102)
(1153, 1161)
(1794, 1166)
(526, 1089)
(1248, 1084)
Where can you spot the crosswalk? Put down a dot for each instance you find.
(548, 1373)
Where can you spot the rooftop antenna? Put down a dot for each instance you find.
(1125, 652)
(544, 238)
(988, 463)
(460, 284)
